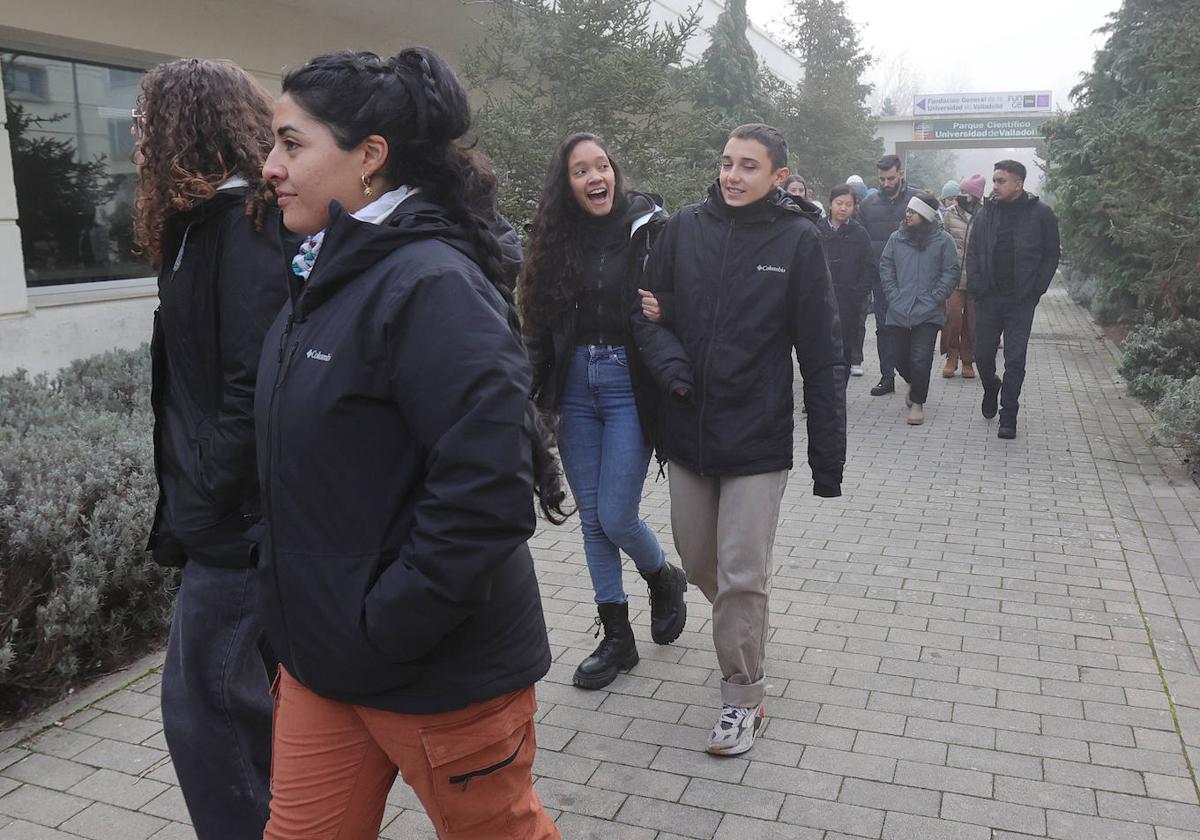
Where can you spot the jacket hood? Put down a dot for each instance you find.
(641, 208)
(770, 206)
(352, 246)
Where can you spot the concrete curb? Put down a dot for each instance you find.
(80, 700)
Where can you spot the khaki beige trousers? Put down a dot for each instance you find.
(724, 531)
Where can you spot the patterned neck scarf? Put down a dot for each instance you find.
(374, 213)
(303, 262)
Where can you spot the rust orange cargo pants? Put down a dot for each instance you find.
(334, 763)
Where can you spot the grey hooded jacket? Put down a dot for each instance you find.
(918, 272)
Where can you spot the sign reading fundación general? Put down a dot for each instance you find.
(952, 104)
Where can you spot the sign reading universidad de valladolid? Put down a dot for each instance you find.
(995, 128)
(1021, 101)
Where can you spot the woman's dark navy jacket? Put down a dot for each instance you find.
(395, 465)
(852, 265)
(219, 289)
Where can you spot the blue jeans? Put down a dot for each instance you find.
(216, 703)
(605, 456)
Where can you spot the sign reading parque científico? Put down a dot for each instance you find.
(998, 128)
(1026, 101)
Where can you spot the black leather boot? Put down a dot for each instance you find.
(668, 611)
(617, 650)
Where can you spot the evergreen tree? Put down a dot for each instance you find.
(729, 85)
(550, 68)
(1125, 164)
(828, 123)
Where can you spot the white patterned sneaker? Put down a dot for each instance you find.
(735, 730)
(856, 370)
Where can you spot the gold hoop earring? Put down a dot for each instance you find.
(366, 182)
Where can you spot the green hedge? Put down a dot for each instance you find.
(1162, 363)
(78, 594)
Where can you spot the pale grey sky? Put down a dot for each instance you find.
(971, 45)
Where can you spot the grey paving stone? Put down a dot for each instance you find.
(1158, 812)
(118, 789)
(636, 780)
(578, 799)
(104, 822)
(736, 827)
(1064, 826)
(21, 830)
(733, 799)
(833, 816)
(60, 742)
(122, 757)
(891, 797)
(792, 780)
(900, 826)
(667, 816)
(590, 828)
(40, 805)
(47, 771)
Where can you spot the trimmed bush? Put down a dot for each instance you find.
(1152, 352)
(78, 593)
(1178, 413)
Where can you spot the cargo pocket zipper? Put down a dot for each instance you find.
(465, 778)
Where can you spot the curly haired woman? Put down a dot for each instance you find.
(578, 289)
(202, 131)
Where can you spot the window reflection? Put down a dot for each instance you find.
(68, 127)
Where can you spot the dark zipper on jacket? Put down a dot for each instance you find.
(280, 373)
(712, 339)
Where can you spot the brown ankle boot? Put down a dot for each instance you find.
(968, 371)
(951, 365)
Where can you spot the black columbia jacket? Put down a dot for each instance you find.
(219, 289)
(740, 289)
(396, 473)
(1035, 249)
(551, 352)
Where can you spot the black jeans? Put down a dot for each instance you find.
(914, 357)
(883, 336)
(851, 310)
(1012, 319)
(216, 703)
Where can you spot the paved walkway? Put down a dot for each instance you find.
(980, 639)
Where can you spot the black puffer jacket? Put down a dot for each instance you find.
(740, 288)
(397, 478)
(642, 218)
(852, 265)
(881, 216)
(218, 292)
(1035, 248)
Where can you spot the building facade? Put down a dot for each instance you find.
(70, 285)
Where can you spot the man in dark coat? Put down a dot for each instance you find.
(881, 214)
(733, 286)
(1012, 256)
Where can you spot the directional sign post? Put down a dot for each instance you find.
(952, 104)
(995, 128)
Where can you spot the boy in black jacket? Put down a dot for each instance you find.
(733, 285)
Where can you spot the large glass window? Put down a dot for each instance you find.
(68, 126)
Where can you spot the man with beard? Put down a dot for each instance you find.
(881, 214)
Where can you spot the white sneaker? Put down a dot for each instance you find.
(735, 730)
(856, 370)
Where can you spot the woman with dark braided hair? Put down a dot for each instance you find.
(202, 130)
(399, 454)
(590, 240)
